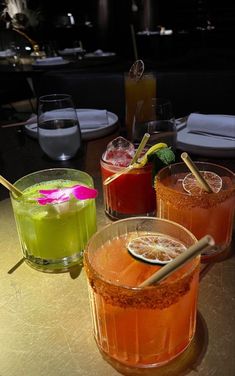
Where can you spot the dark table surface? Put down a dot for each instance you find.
(27, 65)
(21, 154)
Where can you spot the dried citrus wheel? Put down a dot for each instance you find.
(191, 185)
(155, 249)
(137, 69)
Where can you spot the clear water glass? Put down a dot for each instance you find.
(156, 118)
(59, 132)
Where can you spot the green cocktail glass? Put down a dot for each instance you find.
(53, 234)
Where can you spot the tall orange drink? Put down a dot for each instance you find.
(143, 89)
(181, 200)
(139, 327)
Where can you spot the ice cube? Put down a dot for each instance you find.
(119, 152)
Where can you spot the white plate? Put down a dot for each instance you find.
(208, 146)
(52, 64)
(87, 134)
(100, 55)
(71, 51)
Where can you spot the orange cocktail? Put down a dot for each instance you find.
(200, 212)
(138, 327)
(143, 89)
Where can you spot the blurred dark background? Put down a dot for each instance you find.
(168, 33)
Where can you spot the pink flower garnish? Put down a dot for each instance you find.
(55, 196)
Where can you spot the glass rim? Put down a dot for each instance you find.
(116, 167)
(146, 73)
(56, 169)
(192, 198)
(157, 101)
(178, 164)
(54, 97)
(126, 287)
(136, 144)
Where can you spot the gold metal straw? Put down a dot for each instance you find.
(196, 173)
(133, 161)
(119, 173)
(10, 186)
(205, 243)
(140, 148)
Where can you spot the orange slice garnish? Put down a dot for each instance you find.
(137, 69)
(191, 185)
(155, 249)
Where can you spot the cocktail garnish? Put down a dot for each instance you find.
(155, 249)
(55, 196)
(160, 158)
(191, 185)
(164, 157)
(204, 244)
(141, 163)
(137, 69)
(144, 160)
(196, 173)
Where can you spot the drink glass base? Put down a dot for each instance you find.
(54, 265)
(151, 369)
(114, 215)
(219, 253)
(62, 157)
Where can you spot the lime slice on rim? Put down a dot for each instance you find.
(191, 185)
(155, 249)
(137, 69)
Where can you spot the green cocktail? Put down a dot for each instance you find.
(54, 233)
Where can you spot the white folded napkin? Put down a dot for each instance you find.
(88, 118)
(212, 125)
(92, 118)
(7, 53)
(49, 60)
(71, 50)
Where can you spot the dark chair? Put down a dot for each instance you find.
(88, 90)
(11, 38)
(14, 89)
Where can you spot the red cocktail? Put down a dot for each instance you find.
(132, 193)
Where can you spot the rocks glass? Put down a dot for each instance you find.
(138, 328)
(201, 213)
(132, 193)
(54, 231)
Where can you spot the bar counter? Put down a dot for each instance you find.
(45, 321)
